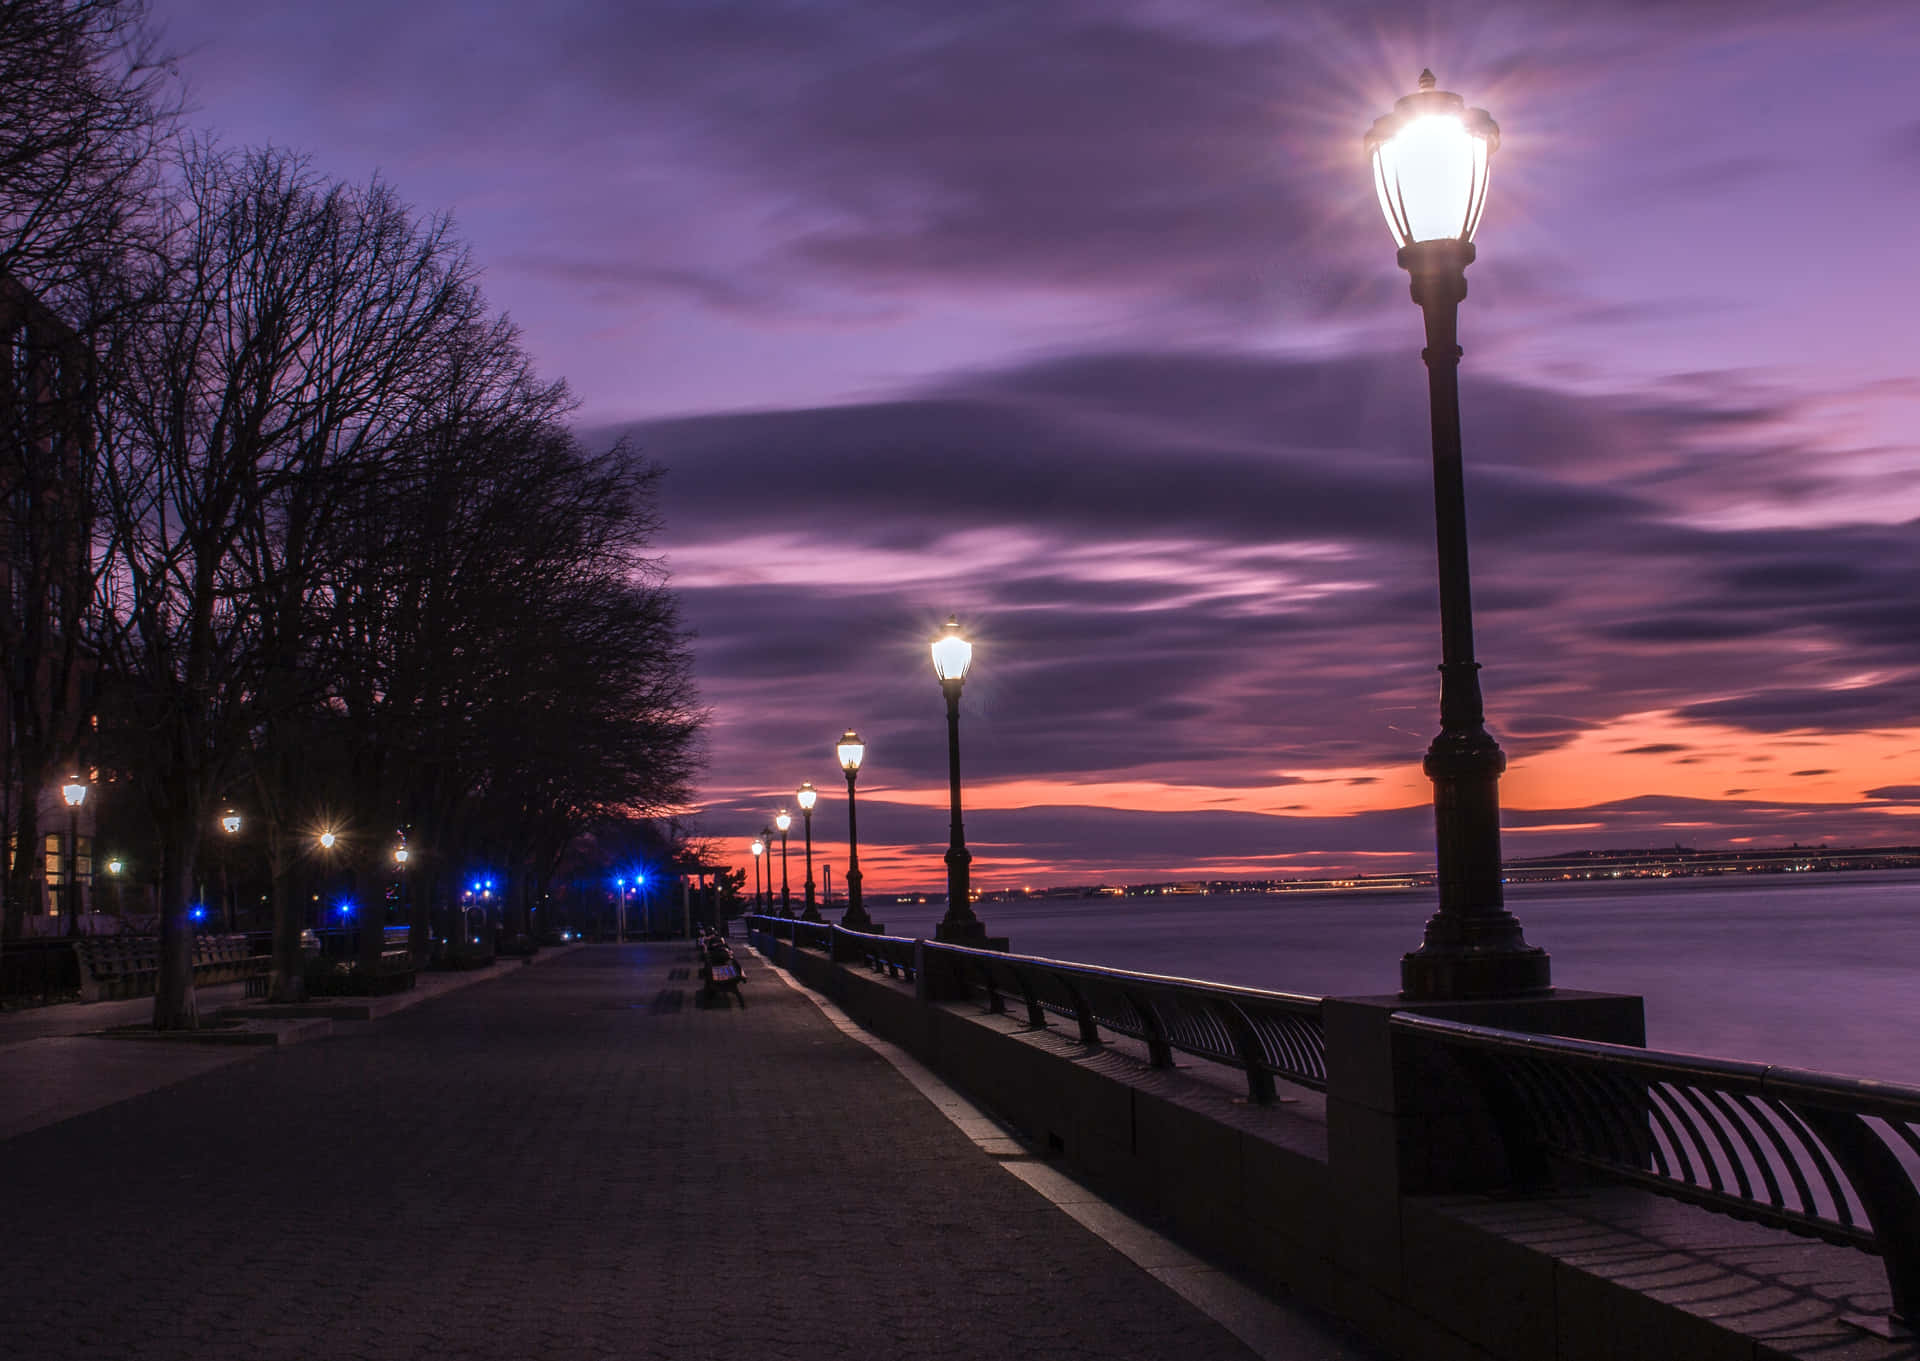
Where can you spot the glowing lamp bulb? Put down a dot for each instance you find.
(783, 819)
(851, 751)
(806, 796)
(759, 847)
(74, 792)
(231, 821)
(952, 654)
(1430, 158)
(327, 840)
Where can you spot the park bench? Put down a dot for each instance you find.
(129, 966)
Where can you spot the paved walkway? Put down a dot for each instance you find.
(574, 1160)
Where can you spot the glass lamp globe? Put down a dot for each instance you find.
(783, 819)
(759, 847)
(1430, 158)
(327, 840)
(400, 855)
(806, 796)
(851, 751)
(74, 792)
(952, 654)
(231, 821)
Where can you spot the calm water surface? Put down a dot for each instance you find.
(1818, 970)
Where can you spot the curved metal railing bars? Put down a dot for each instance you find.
(1817, 1154)
(1267, 1035)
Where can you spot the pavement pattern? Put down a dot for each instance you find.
(576, 1160)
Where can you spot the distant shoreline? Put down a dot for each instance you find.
(1675, 862)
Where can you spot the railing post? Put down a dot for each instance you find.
(1885, 1193)
(1246, 1043)
(1159, 1051)
(921, 992)
(1083, 1013)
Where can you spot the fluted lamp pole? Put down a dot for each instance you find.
(1430, 158)
(952, 656)
(783, 820)
(74, 792)
(852, 751)
(806, 796)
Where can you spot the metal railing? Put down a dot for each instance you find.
(1819, 1155)
(1266, 1035)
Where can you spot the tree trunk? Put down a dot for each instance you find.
(174, 1004)
(21, 880)
(420, 890)
(289, 982)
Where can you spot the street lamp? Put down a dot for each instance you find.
(620, 917)
(74, 791)
(806, 796)
(952, 655)
(230, 823)
(852, 751)
(328, 841)
(759, 849)
(1430, 158)
(783, 820)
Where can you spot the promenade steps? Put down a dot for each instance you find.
(1319, 1204)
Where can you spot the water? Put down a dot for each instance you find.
(1815, 971)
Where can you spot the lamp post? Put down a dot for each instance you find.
(327, 840)
(74, 791)
(759, 849)
(400, 857)
(1430, 159)
(766, 839)
(952, 655)
(783, 820)
(620, 913)
(230, 824)
(806, 796)
(852, 751)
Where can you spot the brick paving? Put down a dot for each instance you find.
(573, 1161)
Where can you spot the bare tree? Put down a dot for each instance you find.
(278, 379)
(83, 108)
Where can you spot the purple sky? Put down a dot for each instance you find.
(1079, 319)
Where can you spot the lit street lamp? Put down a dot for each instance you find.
(230, 823)
(783, 820)
(759, 849)
(1430, 158)
(806, 797)
(74, 791)
(952, 655)
(852, 751)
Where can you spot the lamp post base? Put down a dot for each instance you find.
(1464, 974)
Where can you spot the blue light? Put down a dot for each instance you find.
(622, 883)
(639, 879)
(198, 913)
(344, 909)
